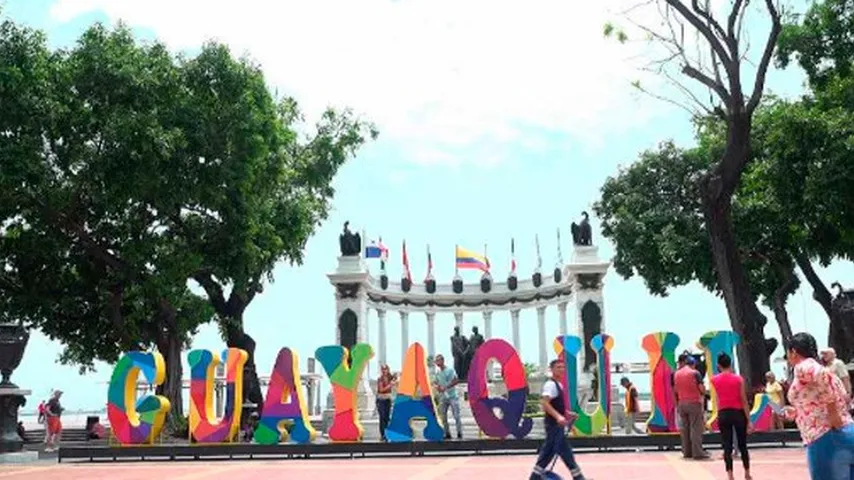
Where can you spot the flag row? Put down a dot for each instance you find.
(465, 259)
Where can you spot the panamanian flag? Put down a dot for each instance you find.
(377, 250)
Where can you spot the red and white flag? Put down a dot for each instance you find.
(512, 256)
(406, 272)
(429, 265)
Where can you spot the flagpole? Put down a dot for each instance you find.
(486, 257)
(456, 267)
(512, 255)
(383, 256)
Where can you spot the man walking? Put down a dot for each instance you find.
(446, 382)
(632, 407)
(53, 412)
(690, 393)
(556, 419)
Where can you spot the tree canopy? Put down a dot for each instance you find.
(129, 171)
(781, 211)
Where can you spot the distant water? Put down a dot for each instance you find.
(69, 419)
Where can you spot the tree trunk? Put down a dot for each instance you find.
(236, 337)
(169, 344)
(839, 337)
(780, 313)
(717, 188)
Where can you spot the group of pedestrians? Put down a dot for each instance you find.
(819, 400)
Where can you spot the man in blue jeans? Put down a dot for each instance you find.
(556, 419)
(446, 385)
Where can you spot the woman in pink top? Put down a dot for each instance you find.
(818, 403)
(733, 413)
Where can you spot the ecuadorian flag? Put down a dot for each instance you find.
(471, 260)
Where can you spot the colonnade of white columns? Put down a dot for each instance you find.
(542, 344)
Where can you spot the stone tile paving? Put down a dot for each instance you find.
(776, 464)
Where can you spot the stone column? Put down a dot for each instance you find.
(382, 340)
(587, 271)
(487, 325)
(514, 318)
(561, 309)
(431, 334)
(541, 337)
(404, 334)
(351, 281)
(458, 321)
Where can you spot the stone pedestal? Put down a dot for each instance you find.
(11, 399)
(350, 280)
(587, 271)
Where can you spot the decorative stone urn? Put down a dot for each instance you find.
(13, 341)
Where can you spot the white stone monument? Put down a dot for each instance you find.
(350, 281)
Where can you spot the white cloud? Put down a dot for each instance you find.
(438, 76)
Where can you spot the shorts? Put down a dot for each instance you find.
(54, 425)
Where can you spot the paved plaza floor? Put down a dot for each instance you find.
(771, 464)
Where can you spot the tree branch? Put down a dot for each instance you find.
(709, 82)
(762, 69)
(733, 17)
(704, 30)
(820, 292)
(213, 290)
(710, 20)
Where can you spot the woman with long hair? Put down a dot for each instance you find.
(733, 413)
(384, 385)
(819, 405)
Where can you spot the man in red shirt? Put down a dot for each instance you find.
(690, 392)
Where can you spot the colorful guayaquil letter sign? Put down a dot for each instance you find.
(136, 421)
(408, 405)
(713, 344)
(483, 406)
(204, 427)
(345, 382)
(661, 349)
(567, 348)
(285, 402)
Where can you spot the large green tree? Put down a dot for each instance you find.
(255, 189)
(708, 47)
(128, 172)
(652, 210)
(821, 42)
(84, 257)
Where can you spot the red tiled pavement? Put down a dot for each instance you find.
(778, 464)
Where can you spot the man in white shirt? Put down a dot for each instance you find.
(837, 366)
(557, 418)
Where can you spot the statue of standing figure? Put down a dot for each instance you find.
(475, 341)
(459, 349)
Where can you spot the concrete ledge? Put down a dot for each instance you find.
(417, 448)
(13, 458)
